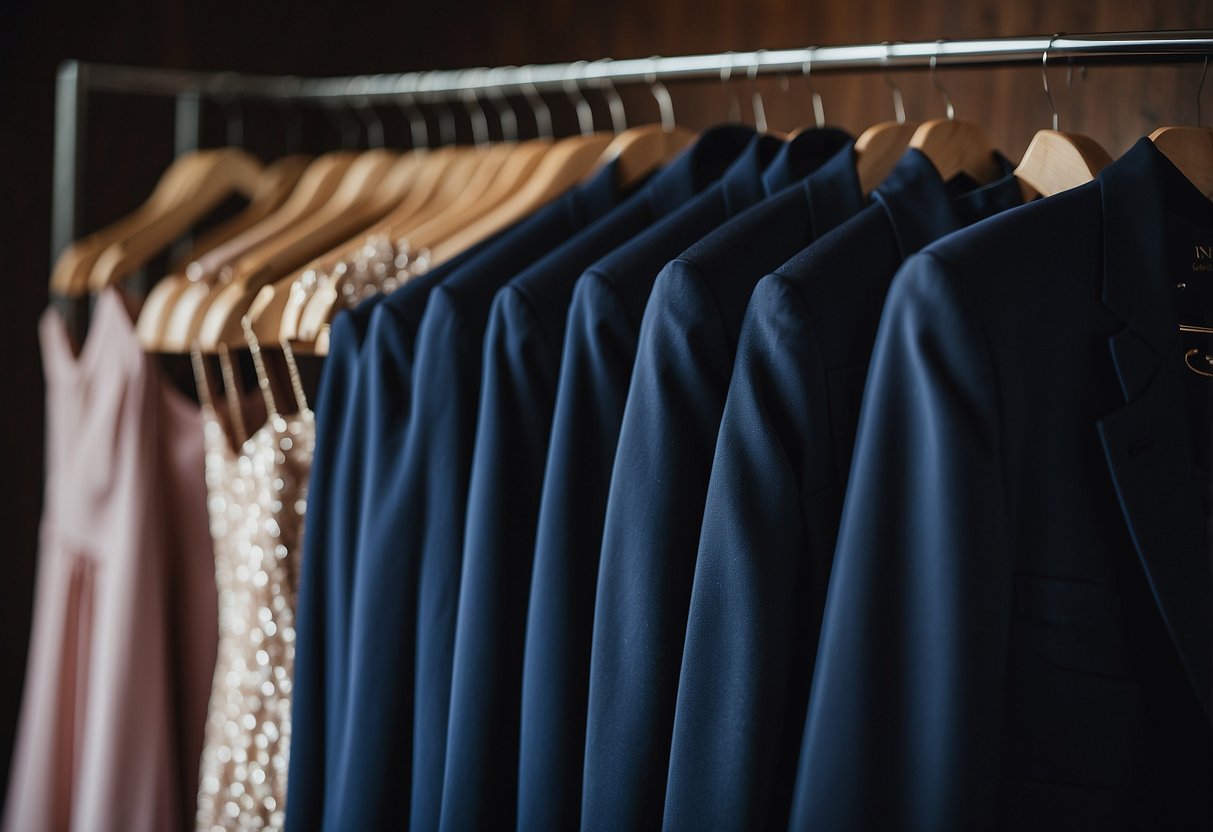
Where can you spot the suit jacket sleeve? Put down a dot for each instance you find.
(737, 730)
(903, 723)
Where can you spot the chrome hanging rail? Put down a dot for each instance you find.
(77, 80)
(1128, 47)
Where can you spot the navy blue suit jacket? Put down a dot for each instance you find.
(518, 386)
(1017, 627)
(775, 495)
(599, 349)
(325, 581)
(370, 760)
(351, 403)
(678, 386)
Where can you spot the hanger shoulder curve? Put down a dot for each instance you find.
(1056, 162)
(957, 146)
(1190, 149)
(878, 149)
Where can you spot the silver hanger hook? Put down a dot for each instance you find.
(1199, 87)
(726, 75)
(1044, 79)
(619, 116)
(284, 90)
(819, 112)
(539, 107)
(419, 128)
(756, 103)
(223, 89)
(664, 102)
(899, 107)
(947, 99)
(361, 105)
(507, 119)
(474, 108)
(572, 88)
(447, 131)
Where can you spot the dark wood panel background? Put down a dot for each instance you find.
(132, 141)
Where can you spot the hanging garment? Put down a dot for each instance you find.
(679, 382)
(518, 387)
(350, 463)
(123, 639)
(325, 577)
(775, 495)
(599, 348)
(257, 502)
(370, 769)
(1017, 628)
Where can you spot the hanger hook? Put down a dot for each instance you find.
(284, 95)
(360, 103)
(1044, 79)
(539, 107)
(899, 107)
(1199, 87)
(447, 131)
(756, 102)
(470, 80)
(664, 102)
(726, 75)
(819, 113)
(947, 99)
(419, 128)
(572, 88)
(223, 90)
(507, 119)
(619, 117)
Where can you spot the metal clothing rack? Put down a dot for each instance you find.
(77, 80)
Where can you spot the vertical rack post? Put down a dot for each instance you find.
(71, 117)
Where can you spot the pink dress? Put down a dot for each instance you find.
(124, 632)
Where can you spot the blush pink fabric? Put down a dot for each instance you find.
(124, 632)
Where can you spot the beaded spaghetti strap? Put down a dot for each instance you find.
(236, 412)
(263, 379)
(292, 369)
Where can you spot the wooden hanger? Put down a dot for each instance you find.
(1056, 161)
(70, 275)
(376, 182)
(278, 180)
(638, 151)
(881, 146)
(954, 145)
(562, 167)
(1190, 149)
(218, 174)
(520, 161)
(175, 305)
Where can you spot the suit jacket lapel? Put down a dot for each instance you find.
(1148, 443)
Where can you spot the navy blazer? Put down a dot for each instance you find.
(517, 392)
(325, 580)
(1017, 627)
(775, 495)
(599, 347)
(341, 485)
(679, 383)
(373, 771)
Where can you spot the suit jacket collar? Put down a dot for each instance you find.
(833, 192)
(922, 208)
(742, 183)
(1148, 442)
(701, 164)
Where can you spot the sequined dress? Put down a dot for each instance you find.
(257, 496)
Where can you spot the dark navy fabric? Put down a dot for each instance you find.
(326, 578)
(518, 388)
(343, 460)
(395, 734)
(599, 347)
(1017, 630)
(775, 495)
(684, 359)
